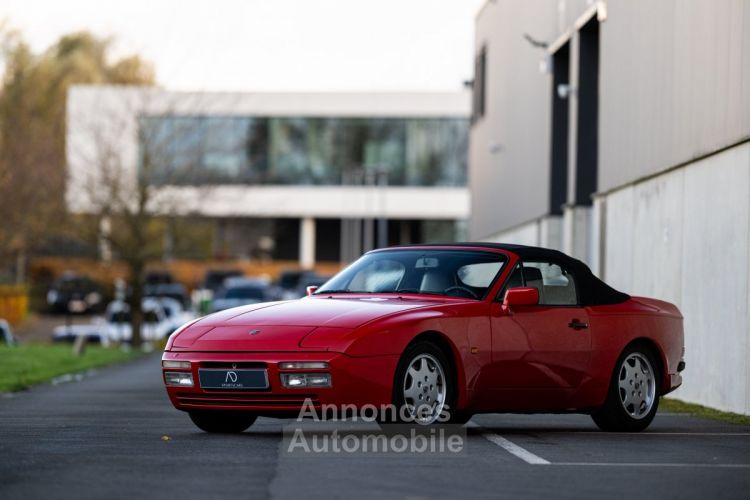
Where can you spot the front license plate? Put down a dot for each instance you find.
(233, 379)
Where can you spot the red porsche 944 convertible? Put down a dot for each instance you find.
(438, 332)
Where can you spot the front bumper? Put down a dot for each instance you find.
(355, 381)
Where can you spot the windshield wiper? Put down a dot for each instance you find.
(326, 292)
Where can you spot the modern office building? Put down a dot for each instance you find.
(619, 132)
(313, 177)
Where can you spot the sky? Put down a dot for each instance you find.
(273, 45)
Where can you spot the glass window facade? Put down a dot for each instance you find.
(193, 150)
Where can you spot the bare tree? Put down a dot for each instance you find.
(123, 173)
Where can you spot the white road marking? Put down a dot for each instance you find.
(640, 434)
(514, 449)
(508, 445)
(473, 425)
(533, 459)
(652, 464)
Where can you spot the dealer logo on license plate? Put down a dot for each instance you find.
(233, 379)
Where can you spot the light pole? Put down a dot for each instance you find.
(382, 176)
(359, 234)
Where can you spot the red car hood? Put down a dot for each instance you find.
(279, 326)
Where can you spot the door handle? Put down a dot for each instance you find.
(578, 324)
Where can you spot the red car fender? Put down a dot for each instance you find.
(467, 336)
(617, 326)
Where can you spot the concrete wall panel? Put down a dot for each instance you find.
(619, 244)
(527, 234)
(684, 237)
(658, 205)
(715, 285)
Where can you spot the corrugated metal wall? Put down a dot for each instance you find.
(674, 86)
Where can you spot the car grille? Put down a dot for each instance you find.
(246, 399)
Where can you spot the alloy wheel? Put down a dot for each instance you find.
(637, 385)
(424, 389)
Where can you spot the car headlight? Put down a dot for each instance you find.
(294, 380)
(303, 365)
(181, 379)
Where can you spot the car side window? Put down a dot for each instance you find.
(479, 275)
(555, 284)
(514, 280)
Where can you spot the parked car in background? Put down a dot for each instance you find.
(73, 293)
(215, 278)
(176, 291)
(293, 284)
(116, 327)
(156, 325)
(158, 278)
(174, 312)
(239, 292)
(96, 331)
(315, 280)
(6, 334)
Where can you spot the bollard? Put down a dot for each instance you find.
(79, 345)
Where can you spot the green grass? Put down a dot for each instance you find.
(29, 364)
(672, 405)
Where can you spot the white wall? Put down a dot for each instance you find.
(543, 232)
(684, 236)
(576, 232)
(393, 202)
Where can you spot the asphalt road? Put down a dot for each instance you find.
(104, 437)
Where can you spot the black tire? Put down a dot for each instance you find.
(222, 422)
(613, 415)
(410, 353)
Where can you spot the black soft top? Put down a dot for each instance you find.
(591, 290)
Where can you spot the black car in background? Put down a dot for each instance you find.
(292, 284)
(237, 292)
(158, 278)
(176, 291)
(75, 294)
(215, 278)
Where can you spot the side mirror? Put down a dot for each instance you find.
(311, 290)
(521, 296)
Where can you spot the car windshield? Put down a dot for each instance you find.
(458, 273)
